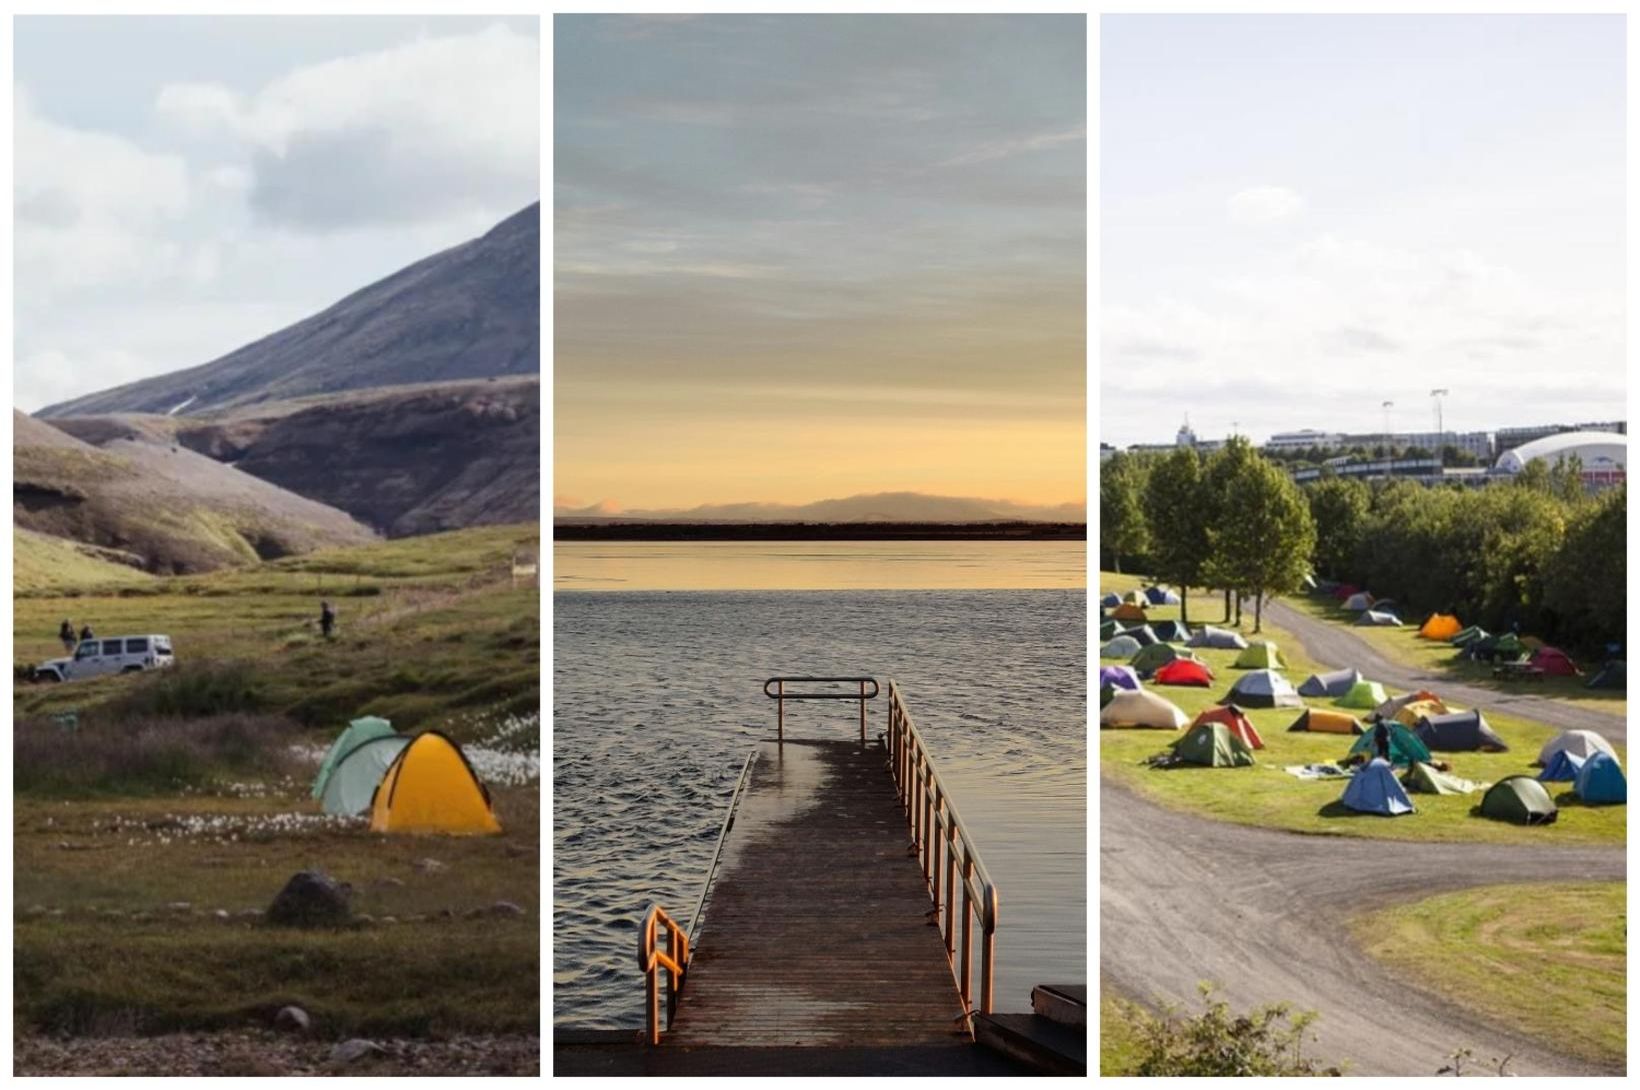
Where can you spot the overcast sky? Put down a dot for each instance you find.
(1305, 216)
(801, 258)
(186, 185)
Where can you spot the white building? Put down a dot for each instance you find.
(1305, 439)
(1604, 455)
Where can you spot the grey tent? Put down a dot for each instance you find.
(1378, 619)
(1220, 638)
(1262, 689)
(1459, 732)
(352, 783)
(1122, 647)
(1361, 600)
(1143, 633)
(1335, 683)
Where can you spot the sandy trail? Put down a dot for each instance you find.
(1262, 913)
(1332, 643)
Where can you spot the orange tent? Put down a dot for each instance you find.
(1325, 722)
(1440, 626)
(1235, 721)
(1127, 611)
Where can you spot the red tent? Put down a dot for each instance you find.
(1183, 672)
(1552, 660)
(1233, 718)
(1345, 590)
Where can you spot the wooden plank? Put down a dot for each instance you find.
(818, 929)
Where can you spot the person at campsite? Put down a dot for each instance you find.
(86, 633)
(66, 634)
(1380, 739)
(327, 619)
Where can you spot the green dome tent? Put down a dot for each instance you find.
(352, 782)
(1109, 628)
(1468, 636)
(1261, 655)
(360, 730)
(1171, 631)
(1519, 799)
(1404, 747)
(1157, 655)
(1430, 780)
(1363, 694)
(1212, 745)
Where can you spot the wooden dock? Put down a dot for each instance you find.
(819, 930)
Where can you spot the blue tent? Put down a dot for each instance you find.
(1375, 790)
(1161, 596)
(1601, 780)
(1562, 768)
(1111, 599)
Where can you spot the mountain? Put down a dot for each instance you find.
(875, 507)
(158, 506)
(405, 460)
(472, 311)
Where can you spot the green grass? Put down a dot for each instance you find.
(86, 971)
(1406, 646)
(156, 799)
(53, 565)
(1264, 795)
(1546, 959)
(421, 638)
(1119, 1046)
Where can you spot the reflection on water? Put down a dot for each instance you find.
(658, 698)
(818, 565)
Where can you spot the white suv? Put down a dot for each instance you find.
(114, 655)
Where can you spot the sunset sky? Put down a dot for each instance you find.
(809, 257)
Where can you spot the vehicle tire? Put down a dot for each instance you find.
(131, 670)
(48, 676)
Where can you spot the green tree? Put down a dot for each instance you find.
(1584, 585)
(1566, 480)
(1264, 536)
(1535, 476)
(1176, 512)
(1339, 506)
(1122, 529)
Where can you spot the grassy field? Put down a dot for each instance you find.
(42, 564)
(145, 846)
(430, 629)
(1549, 960)
(1265, 795)
(1405, 645)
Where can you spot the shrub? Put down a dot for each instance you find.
(1267, 1041)
(108, 755)
(192, 690)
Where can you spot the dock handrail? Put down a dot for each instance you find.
(780, 695)
(717, 853)
(651, 960)
(946, 848)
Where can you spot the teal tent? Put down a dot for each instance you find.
(360, 730)
(1404, 746)
(352, 782)
(1601, 780)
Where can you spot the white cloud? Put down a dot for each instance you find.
(1004, 149)
(1264, 204)
(433, 127)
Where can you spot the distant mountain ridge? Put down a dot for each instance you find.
(469, 312)
(871, 507)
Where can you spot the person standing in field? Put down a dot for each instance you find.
(86, 633)
(327, 619)
(1380, 739)
(66, 634)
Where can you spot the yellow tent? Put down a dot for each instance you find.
(430, 788)
(1440, 626)
(1409, 714)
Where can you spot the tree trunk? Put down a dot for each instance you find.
(1258, 612)
(1184, 606)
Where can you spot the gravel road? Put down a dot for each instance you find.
(1332, 643)
(1262, 913)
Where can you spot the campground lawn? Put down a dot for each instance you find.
(1404, 645)
(1547, 959)
(1265, 795)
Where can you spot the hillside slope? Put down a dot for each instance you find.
(405, 460)
(176, 510)
(472, 311)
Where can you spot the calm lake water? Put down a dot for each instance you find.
(658, 699)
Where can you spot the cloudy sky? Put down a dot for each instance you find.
(186, 185)
(801, 258)
(1304, 216)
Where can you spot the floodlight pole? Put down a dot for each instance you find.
(1389, 449)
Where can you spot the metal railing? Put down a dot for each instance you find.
(680, 944)
(651, 960)
(780, 695)
(947, 852)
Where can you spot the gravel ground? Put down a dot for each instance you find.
(257, 1053)
(1264, 914)
(1332, 643)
